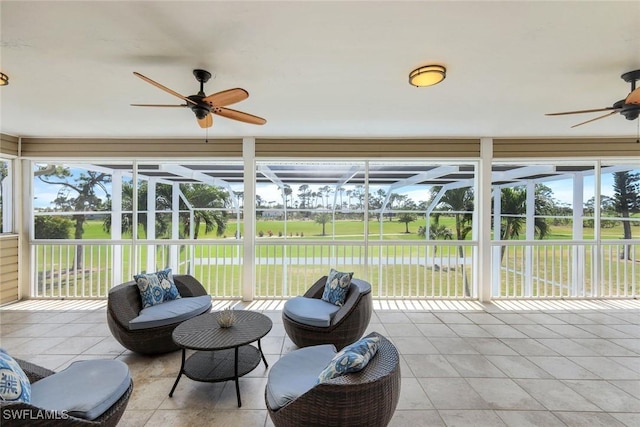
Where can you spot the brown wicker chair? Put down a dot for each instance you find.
(124, 303)
(367, 398)
(42, 417)
(347, 325)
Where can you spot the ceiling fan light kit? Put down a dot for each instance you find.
(4, 79)
(204, 106)
(427, 75)
(628, 107)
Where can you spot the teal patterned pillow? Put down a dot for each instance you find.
(337, 286)
(156, 288)
(14, 383)
(352, 358)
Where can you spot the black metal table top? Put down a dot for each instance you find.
(204, 333)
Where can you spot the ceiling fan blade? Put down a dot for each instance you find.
(164, 88)
(593, 120)
(158, 105)
(226, 97)
(595, 110)
(634, 97)
(238, 115)
(207, 122)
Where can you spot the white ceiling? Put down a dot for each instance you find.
(318, 68)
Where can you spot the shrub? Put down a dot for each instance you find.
(52, 227)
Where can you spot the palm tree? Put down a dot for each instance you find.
(460, 201)
(437, 231)
(514, 205)
(303, 194)
(323, 218)
(287, 194)
(626, 200)
(203, 196)
(349, 193)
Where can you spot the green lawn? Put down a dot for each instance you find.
(350, 229)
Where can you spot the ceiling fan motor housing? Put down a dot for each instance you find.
(629, 111)
(200, 108)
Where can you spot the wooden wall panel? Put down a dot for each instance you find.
(69, 148)
(565, 148)
(8, 269)
(367, 148)
(8, 145)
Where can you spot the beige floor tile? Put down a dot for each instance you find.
(412, 396)
(452, 393)
(432, 330)
(452, 346)
(430, 365)
(518, 367)
(607, 396)
(503, 331)
(529, 347)
(628, 419)
(504, 393)
(474, 365)
(562, 368)
(606, 368)
(556, 396)
(456, 418)
(414, 345)
(416, 418)
(488, 346)
(530, 419)
(588, 419)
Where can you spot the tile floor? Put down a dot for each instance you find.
(511, 363)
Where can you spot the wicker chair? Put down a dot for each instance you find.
(347, 325)
(42, 417)
(124, 304)
(367, 398)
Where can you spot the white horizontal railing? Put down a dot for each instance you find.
(565, 269)
(88, 269)
(396, 269)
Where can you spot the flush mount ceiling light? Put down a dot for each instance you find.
(4, 79)
(428, 75)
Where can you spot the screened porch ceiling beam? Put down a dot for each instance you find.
(424, 176)
(522, 173)
(271, 175)
(347, 176)
(111, 171)
(199, 176)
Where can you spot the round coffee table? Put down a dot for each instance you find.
(222, 354)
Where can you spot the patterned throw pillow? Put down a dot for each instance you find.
(156, 288)
(352, 358)
(336, 288)
(14, 383)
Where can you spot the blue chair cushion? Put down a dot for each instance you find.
(337, 286)
(85, 389)
(310, 311)
(170, 312)
(14, 383)
(296, 373)
(156, 288)
(352, 358)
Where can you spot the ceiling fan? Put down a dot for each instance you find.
(628, 107)
(205, 106)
